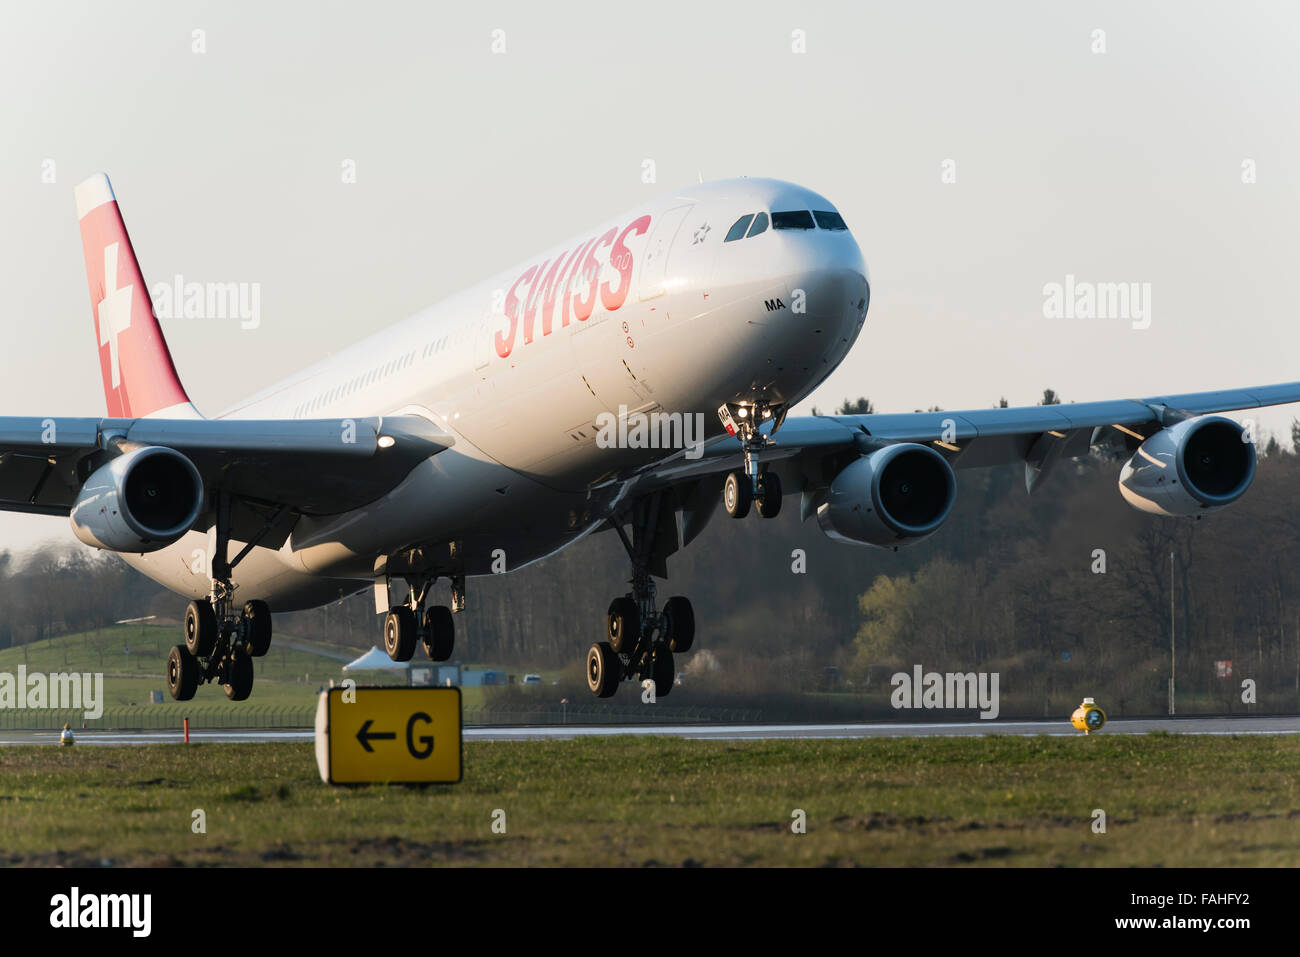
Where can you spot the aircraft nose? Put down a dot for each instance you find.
(835, 279)
(836, 291)
(837, 295)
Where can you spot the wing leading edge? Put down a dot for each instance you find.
(1037, 435)
(313, 466)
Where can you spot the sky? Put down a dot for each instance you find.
(979, 153)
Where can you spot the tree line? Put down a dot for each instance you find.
(1065, 593)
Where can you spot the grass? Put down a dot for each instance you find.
(132, 659)
(1170, 800)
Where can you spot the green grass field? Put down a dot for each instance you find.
(132, 659)
(1170, 800)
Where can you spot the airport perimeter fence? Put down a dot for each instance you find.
(605, 714)
(249, 716)
(161, 718)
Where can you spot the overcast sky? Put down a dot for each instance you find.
(1117, 166)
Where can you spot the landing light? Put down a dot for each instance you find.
(387, 441)
(742, 412)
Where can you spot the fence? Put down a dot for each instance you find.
(163, 717)
(157, 718)
(598, 714)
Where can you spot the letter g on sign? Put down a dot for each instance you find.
(425, 746)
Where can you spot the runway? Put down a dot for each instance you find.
(713, 732)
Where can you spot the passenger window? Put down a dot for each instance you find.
(760, 225)
(828, 220)
(794, 219)
(737, 231)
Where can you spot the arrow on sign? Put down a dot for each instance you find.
(365, 735)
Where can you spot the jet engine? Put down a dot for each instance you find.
(894, 496)
(140, 501)
(1198, 465)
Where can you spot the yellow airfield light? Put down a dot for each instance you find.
(1088, 717)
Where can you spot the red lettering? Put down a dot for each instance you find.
(545, 286)
(506, 342)
(530, 304)
(621, 258)
(573, 271)
(582, 308)
(551, 291)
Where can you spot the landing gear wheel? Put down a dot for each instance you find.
(623, 625)
(258, 616)
(604, 670)
(737, 494)
(239, 677)
(662, 670)
(679, 624)
(769, 495)
(182, 673)
(439, 633)
(399, 633)
(200, 628)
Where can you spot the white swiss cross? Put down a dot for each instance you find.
(114, 311)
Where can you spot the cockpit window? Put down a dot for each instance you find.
(760, 225)
(794, 219)
(828, 220)
(737, 231)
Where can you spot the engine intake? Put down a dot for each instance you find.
(1198, 465)
(140, 501)
(894, 496)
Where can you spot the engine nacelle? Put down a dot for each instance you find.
(140, 501)
(1198, 465)
(894, 496)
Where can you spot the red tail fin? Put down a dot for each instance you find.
(139, 377)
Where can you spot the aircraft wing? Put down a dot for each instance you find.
(808, 450)
(314, 466)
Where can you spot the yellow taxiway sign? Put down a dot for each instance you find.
(389, 735)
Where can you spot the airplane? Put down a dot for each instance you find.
(475, 436)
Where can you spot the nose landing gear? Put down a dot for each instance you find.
(752, 484)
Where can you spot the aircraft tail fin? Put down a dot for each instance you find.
(139, 376)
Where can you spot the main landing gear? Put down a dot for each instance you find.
(640, 640)
(433, 627)
(219, 646)
(752, 485)
(220, 642)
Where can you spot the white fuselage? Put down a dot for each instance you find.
(649, 312)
